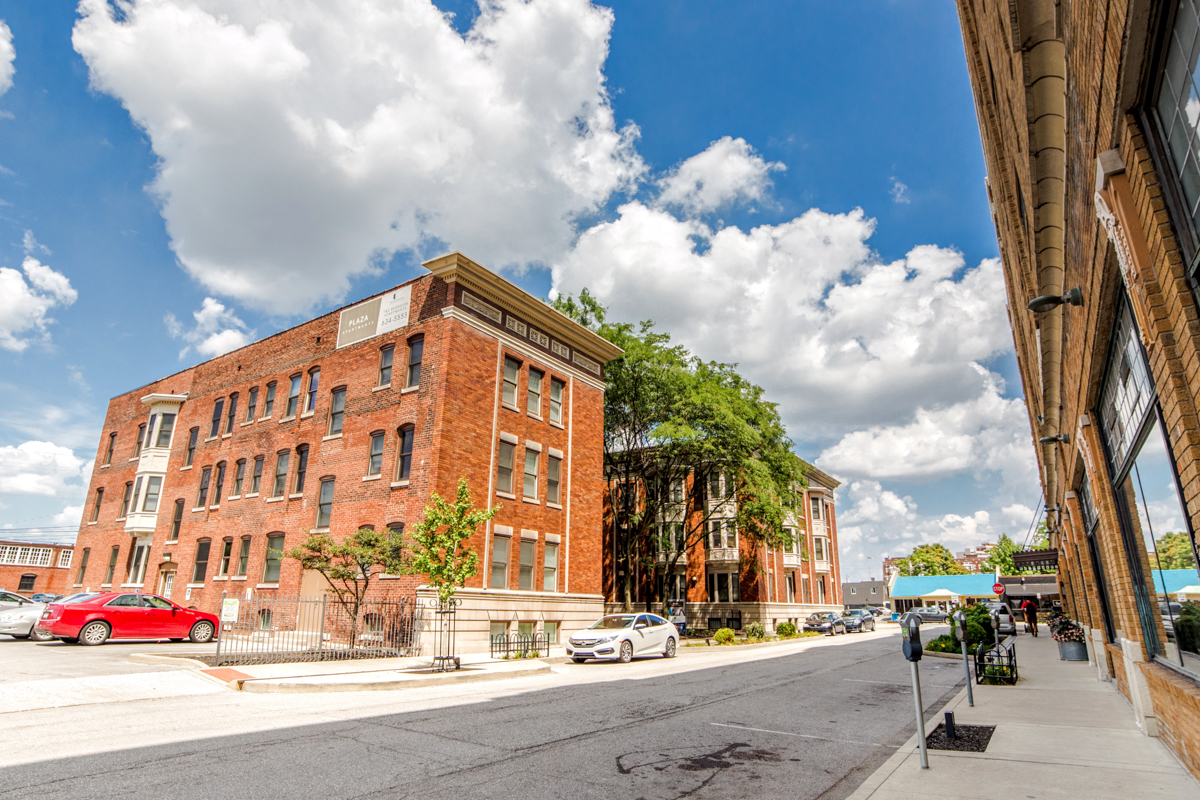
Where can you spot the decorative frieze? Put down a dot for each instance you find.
(480, 307)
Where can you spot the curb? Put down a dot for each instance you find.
(285, 686)
(172, 661)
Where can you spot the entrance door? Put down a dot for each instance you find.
(166, 581)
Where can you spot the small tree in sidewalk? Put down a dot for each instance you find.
(351, 565)
(439, 547)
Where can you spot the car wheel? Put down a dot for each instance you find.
(40, 636)
(94, 633)
(202, 632)
(626, 652)
(579, 660)
(669, 650)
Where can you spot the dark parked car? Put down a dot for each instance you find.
(825, 622)
(120, 615)
(43, 597)
(930, 614)
(859, 620)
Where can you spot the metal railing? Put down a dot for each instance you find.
(272, 630)
(519, 645)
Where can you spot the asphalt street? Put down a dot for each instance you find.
(28, 661)
(809, 723)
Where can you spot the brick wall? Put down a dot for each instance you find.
(50, 579)
(1177, 703)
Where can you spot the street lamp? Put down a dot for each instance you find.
(1062, 437)
(1048, 302)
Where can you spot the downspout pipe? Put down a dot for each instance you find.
(1046, 60)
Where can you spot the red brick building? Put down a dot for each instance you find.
(33, 568)
(354, 419)
(727, 581)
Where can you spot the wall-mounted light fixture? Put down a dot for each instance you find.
(1065, 438)
(1051, 301)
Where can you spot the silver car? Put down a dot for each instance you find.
(619, 637)
(10, 600)
(20, 622)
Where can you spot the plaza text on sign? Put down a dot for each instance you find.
(374, 317)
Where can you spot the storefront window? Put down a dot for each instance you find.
(1166, 548)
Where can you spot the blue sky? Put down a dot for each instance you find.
(722, 125)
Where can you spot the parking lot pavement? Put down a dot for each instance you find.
(31, 661)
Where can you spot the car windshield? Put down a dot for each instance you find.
(855, 613)
(615, 622)
(821, 617)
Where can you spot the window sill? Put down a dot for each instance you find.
(506, 495)
(307, 414)
(399, 484)
(172, 541)
(212, 438)
(372, 477)
(264, 419)
(238, 578)
(558, 425)
(201, 508)
(76, 585)
(248, 422)
(220, 577)
(296, 496)
(135, 458)
(105, 466)
(214, 508)
(185, 469)
(538, 417)
(276, 499)
(195, 586)
(287, 419)
(410, 389)
(255, 494)
(234, 497)
(319, 530)
(266, 586)
(120, 519)
(556, 506)
(510, 408)
(92, 523)
(134, 585)
(226, 435)
(109, 585)
(381, 388)
(331, 436)
(531, 500)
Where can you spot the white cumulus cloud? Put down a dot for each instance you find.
(26, 299)
(302, 144)
(728, 172)
(8, 54)
(217, 330)
(41, 468)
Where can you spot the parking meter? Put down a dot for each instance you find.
(911, 626)
(995, 615)
(960, 624)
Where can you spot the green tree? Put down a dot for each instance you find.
(1175, 551)
(930, 559)
(439, 548)
(351, 565)
(681, 436)
(1001, 557)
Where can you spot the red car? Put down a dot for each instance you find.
(121, 615)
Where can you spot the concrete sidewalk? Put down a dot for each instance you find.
(1060, 733)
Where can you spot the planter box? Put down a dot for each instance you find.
(1072, 651)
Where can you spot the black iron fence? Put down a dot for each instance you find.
(274, 629)
(519, 645)
(996, 663)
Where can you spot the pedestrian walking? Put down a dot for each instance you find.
(1030, 608)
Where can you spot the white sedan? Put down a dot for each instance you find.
(620, 637)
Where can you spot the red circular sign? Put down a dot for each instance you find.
(998, 588)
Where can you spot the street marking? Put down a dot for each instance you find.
(799, 735)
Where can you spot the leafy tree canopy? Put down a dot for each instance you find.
(1001, 558)
(929, 559)
(438, 541)
(676, 428)
(1175, 551)
(350, 566)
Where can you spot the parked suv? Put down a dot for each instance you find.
(1008, 624)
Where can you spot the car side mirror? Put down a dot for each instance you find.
(639, 625)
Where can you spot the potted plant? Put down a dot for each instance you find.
(1070, 640)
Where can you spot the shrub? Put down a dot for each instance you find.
(979, 626)
(944, 644)
(724, 636)
(756, 630)
(786, 629)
